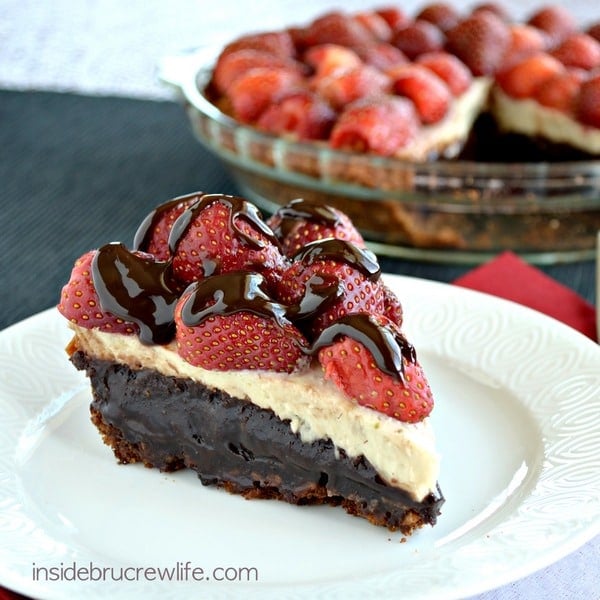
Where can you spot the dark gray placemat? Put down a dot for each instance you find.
(77, 172)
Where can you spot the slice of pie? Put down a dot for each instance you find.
(267, 356)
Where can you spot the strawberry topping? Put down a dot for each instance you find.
(354, 363)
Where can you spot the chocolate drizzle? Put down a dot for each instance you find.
(227, 294)
(137, 289)
(239, 208)
(387, 346)
(301, 210)
(340, 250)
(141, 240)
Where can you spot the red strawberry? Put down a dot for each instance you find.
(152, 235)
(522, 79)
(453, 71)
(337, 28)
(382, 56)
(327, 59)
(300, 223)
(443, 15)
(588, 102)
(233, 64)
(251, 93)
(278, 43)
(381, 125)
(220, 234)
(401, 392)
(229, 323)
(417, 38)
(425, 89)
(392, 307)
(340, 89)
(394, 16)
(579, 50)
(375, 24)
(493, 7)
(594, 31)
(560, 91)
(480, 41)
(525, 40)
(301, 113)
(348, 275)
(555, 21)
(80, 304)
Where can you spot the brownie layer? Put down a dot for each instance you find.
(171, 423)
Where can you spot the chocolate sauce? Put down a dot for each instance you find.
(301, 210)
(229, 293)
(340, 250)
(387, 346)
(239, 208)
(143, 235)
(137, 289)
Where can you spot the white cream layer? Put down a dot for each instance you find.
(530, 118)
(402, 453)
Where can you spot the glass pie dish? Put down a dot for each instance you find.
(443, 211)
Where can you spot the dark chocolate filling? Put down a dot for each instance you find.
(170, 423)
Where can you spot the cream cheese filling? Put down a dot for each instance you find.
(530, 118)
(403, 454)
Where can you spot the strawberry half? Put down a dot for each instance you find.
(299, 223)
(336, 275)
(79, 301)
(229, 322)
(400, 390)
(219, 234)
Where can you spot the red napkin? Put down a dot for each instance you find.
(509, 277)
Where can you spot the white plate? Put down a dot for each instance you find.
(518, 424)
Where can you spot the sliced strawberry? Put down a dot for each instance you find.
(152, 235)
(229, 323)
(594, 31)
(394, 16)
(382, 56)
(220, 234)
(300, 223)
(375, 24)
(480, 41)
(525, 40)
(231, 65)
(302, 113)
(381, 125)
(79, 301)
(588, 102)
(328, 59)
(348, 277)
(340, 89)
(392, 307)
(451, 70)
(579, 50)
(417, 38)
(399, 390)
(429, 93)
(337, 28)
(442, 15)
(560, 91)
(251, 93)
(494, 8)
(555, 21)
(279, 43)
(522, 79)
